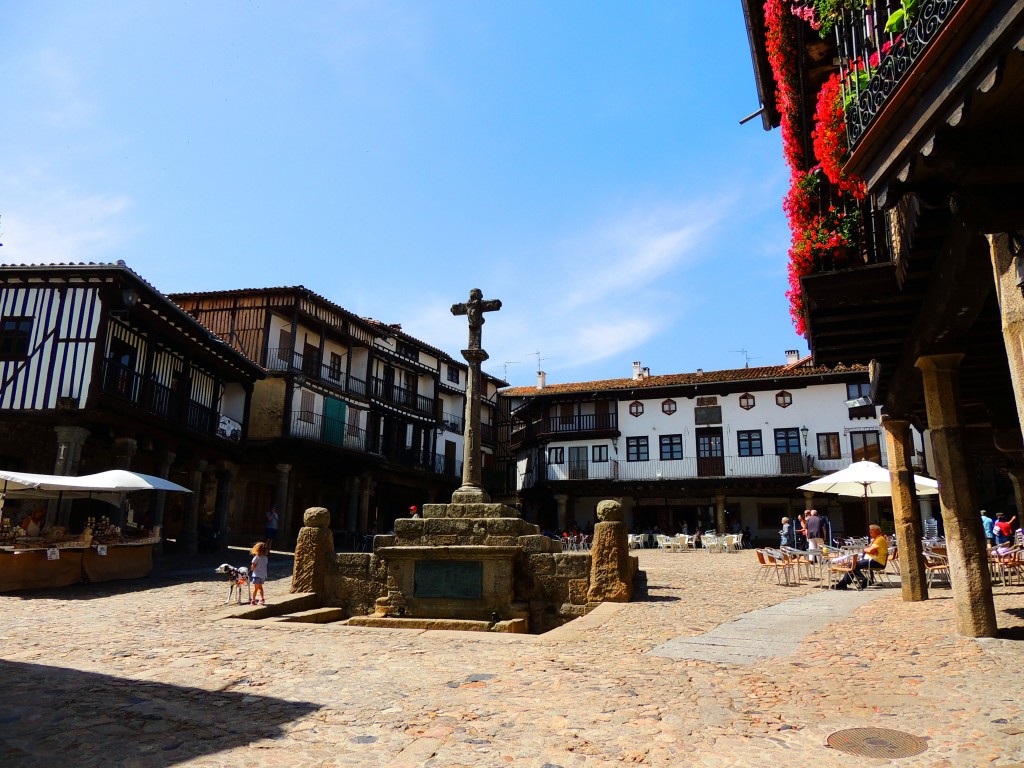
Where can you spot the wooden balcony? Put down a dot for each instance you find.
(402, 397)
(286, 359)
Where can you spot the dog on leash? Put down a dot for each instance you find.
(239, 578)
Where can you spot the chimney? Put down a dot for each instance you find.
(700, 371)
(637, 371)
(646, 373)
(792, 356)
(542, 379)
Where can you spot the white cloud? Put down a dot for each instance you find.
(587, 297)
(48, 223)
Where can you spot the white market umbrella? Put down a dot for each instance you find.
(867, 480)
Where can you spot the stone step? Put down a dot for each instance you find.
(314, 616)
(462, 625)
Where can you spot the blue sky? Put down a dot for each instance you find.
(581, 161)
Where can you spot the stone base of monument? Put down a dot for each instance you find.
(468, 566)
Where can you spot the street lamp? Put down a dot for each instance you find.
(803, 433)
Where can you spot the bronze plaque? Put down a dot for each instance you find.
(449, 579)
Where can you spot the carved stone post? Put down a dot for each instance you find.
(472, 491)
(69, 455)
(965, 538)
(314, 549)
(284, 509)
(189, 537)
(900, 447)
(611, 566)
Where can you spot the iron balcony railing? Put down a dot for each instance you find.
(585, 422)
(879, 42)
(693, 467)
(147, 393)
(286, 359)
(314, 426)
(402, 396)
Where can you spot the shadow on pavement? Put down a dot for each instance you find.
(52, 715)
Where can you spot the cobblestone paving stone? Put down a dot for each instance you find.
(139, 674)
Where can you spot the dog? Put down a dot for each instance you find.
(238, 576)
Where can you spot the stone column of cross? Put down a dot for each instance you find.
(472, 490)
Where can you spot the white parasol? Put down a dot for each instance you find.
(865, 479)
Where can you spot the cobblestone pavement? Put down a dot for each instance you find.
(139, 674)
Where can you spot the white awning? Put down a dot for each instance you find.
(114, 481)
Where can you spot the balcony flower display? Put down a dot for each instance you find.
(822, 202)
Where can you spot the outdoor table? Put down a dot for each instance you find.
(32, 568)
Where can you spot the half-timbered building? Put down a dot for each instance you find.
(99, 370)
(352, 415)
(718, 449)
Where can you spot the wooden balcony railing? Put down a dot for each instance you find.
(402, 397)
(288, 359)
(148, 394)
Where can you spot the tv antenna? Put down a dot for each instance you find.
(505, 366)
(746, 356)
(539, 358)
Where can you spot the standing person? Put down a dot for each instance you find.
(800, 532)
(32, 525)
(786, 534)
(826, 529)
(258, 571)
(813, 525)
(270, 533)
(989, 527)
(1003, 529)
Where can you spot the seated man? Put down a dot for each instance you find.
(877, 553)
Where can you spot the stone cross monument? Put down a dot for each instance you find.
(472, 491)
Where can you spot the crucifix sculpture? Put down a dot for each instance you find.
(472, 490)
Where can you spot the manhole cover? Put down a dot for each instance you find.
(877, 742)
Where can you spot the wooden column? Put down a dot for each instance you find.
(164, 460)
(1007, 271)
(965, 538)
(900, 447)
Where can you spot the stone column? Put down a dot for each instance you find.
(189, 537)
(69, 455)
(900, 447)
(472, 491)
(125, 449)
(225, 477)
(925, 503)
(808, 500)
(719, 513)
(352, 510)
(284, 511)
(1005, 266)
(563, 517)
(1017, 477)
(364, 504)
(965, 538)
(164, 460)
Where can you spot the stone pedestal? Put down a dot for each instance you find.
(313, 550)
(611, 566)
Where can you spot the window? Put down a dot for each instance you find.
(787, 441)
(556, 455)
(865, 447)
(284, 346)
(353, 422)
(636, 449)
(334, 369)
(453, 374)
(749, 442)
(747, 401)
(671, 447)
(828, 445)
(599, 454)
(858, 389)
(15, 333)
(783, 399)
(668, 407)
(636, 408)
(405, 349)
(308, 404)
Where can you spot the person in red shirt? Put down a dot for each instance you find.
(1003, 528)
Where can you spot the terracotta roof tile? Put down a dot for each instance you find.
(682, 379)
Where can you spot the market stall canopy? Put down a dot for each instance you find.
(865, 479)
(114, 481)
